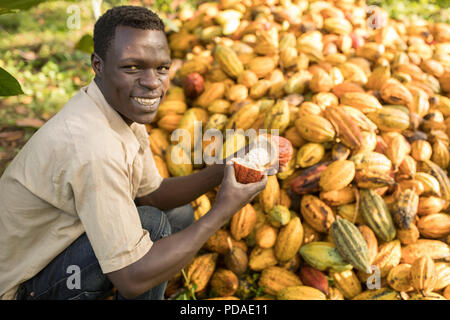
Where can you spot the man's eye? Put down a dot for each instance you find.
(131, 67)
(164, 68)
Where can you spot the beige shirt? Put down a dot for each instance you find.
(79, 173)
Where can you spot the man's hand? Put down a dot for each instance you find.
(234, 195)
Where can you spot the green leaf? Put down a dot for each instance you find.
(85, 44)
(9, 86)
(22, 4)
(5, 11)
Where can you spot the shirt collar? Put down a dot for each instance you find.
(126, 132)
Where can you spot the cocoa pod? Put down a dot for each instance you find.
(301, 293)
(274, 279)
(314, 278)
(224, 282)
(318, 214)
(423, 274)
(289, 240)
(200, 270)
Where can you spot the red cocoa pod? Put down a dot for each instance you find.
(245, 173)
(314, 278)
(193, 85)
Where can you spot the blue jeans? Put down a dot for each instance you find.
(54, 281)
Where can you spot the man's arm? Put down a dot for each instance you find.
(177, 191)
(168, 255)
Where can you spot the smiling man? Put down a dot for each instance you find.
(82, 206)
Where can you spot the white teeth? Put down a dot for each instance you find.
(146, 102)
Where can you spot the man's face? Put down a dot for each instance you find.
(134, 76)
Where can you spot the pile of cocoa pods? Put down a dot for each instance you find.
(361, 211)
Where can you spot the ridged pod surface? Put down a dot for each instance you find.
(274, 279)
(376, 214)
(423, 274)
(350, 244)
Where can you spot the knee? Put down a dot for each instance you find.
(180, 217)
(155, 222)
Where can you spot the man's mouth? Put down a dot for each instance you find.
(146, 101)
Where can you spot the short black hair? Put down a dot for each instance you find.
(131, 16)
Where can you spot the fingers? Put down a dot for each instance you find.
(229, 171)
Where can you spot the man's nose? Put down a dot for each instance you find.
(150, 79)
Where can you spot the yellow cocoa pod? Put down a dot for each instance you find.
(408, 236)
(310, 154)
(178, 161)
(421, 150)
(397, 148)
(316, 212)
(224, 282)
(389, 254)
(361, 101)
(200, 270)
(431, 204)
(262, 65)
(237, 92)
(247, 78)
(294, 137)
(219, 106)
(347, 282)
(315, 128)
(335, 294)
(233, 143)
(394, 92)
(337, 25)
(201, 206)
(390, 119)
(428, 296)
(321, 81)
(440, 154)
(339, 197)
(372, 242)
(337, 175)
(399, 278)
(360, 118)
(216, 121)
(442, 275)
(378, 294)
(349, 212)
(274, 279)
(430, 183)
(434, 248)
(159, 141)
(423, 274)
(212, 92)
(243, 222)
(266, 236)
(270, 196)
(289, 240)
(228, 60)
(171, 106)
(278, 117)
(435, 225)
(169, 122)
(259, 89)
(161, 166)
(301, 293)
(244, 117)
(261, 258)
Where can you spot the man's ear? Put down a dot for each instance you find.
(97, 64)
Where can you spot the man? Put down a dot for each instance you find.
(69, 225)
